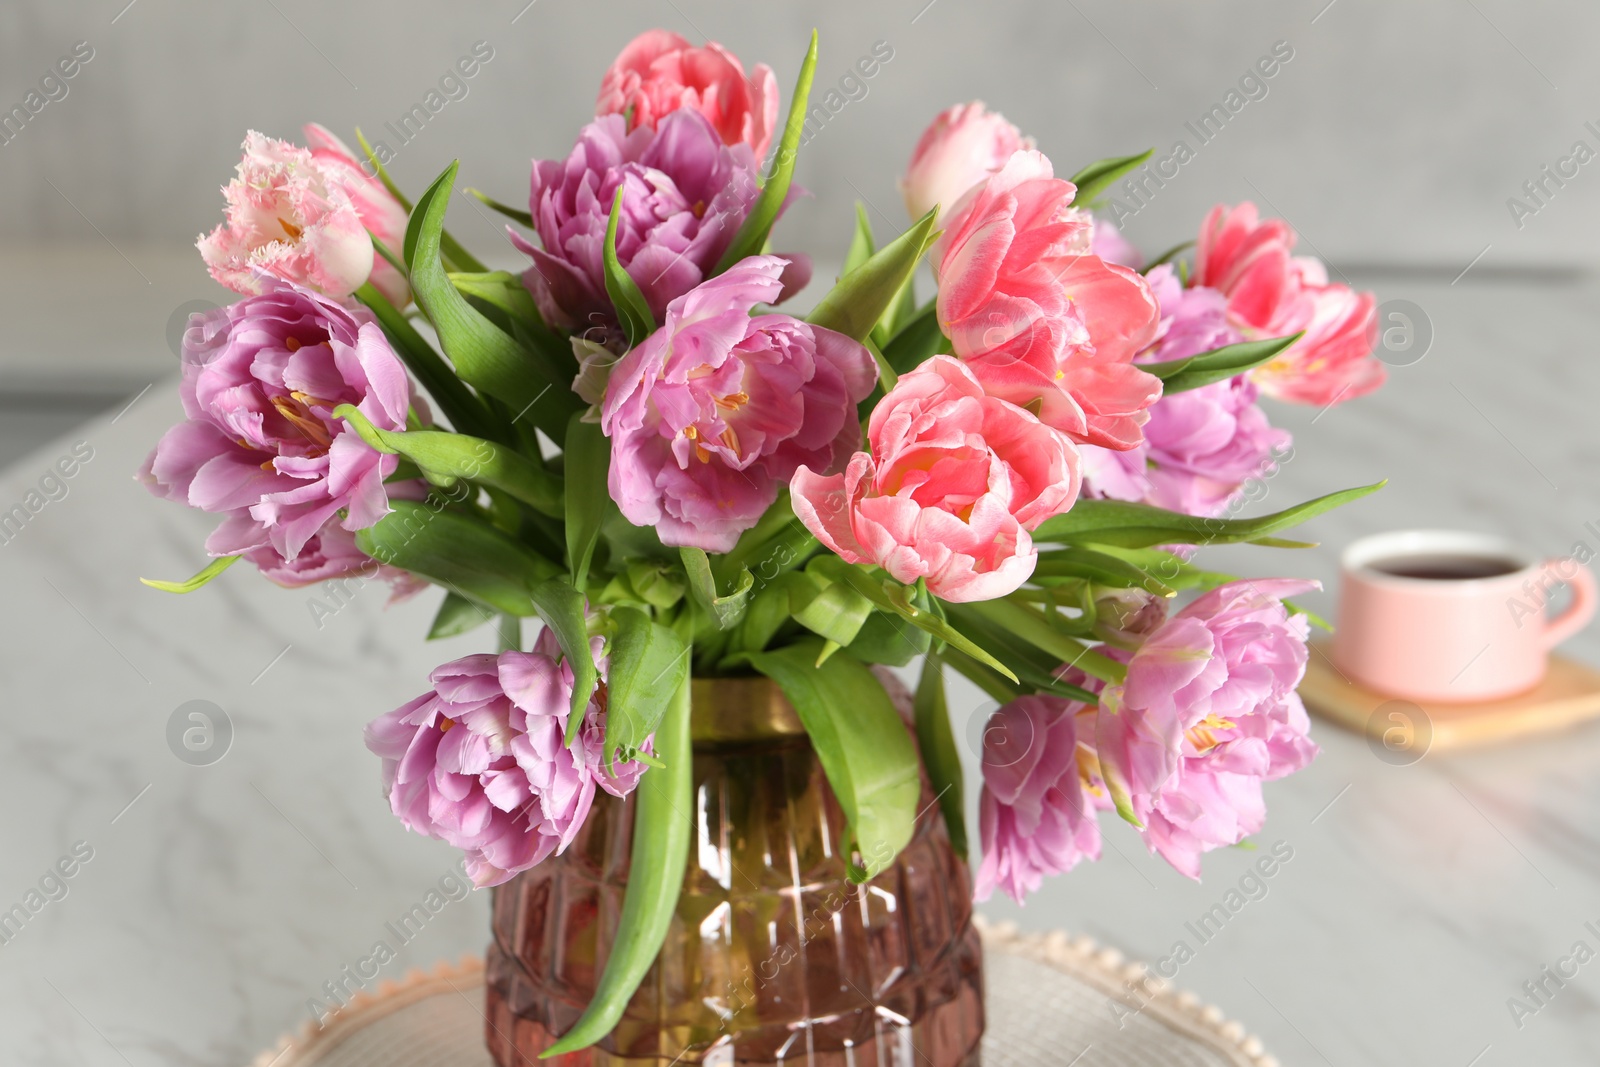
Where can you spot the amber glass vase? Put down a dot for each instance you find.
(773, 957)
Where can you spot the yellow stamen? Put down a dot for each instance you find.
(1200, 734)
(445, 723)
(292, 344)
(291, 229)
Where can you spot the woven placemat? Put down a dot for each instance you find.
(1052, 1000)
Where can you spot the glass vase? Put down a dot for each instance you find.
(773, 956)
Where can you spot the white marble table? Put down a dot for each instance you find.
(220, 898)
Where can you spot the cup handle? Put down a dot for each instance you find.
(1579, 612)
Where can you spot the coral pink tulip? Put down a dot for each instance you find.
(659, 72)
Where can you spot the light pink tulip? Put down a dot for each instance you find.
(383, 216)
(660, 72)
(955, 480)
(963, 146)
(1039, 320)
(289, 218)
(1272, 293)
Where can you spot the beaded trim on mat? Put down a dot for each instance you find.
(1079, 956)
(1132, 982)
(363, 1008)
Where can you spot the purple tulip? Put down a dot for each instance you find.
(261, 445)
(1200, 446)
(685, 196)
(717, 409)
(1041, 793)
(479, 761)
(1207, 713)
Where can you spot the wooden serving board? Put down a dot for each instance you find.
(1569, 694)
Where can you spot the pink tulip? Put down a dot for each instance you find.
(710, 415)
(1207, 713)
(383, 216)
(955, 481)
(1037, 319)
(659, 72)
(1271, 293)
(479, 760)
(1041, 794)
(962, 147)
(287, 217)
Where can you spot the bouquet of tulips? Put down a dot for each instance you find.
(634, 444)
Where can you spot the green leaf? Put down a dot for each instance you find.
(725, 610)
(648, 664)
(465, 411)
(1100, 175)
(1217, 365)
(444, 458)
(459, 257)
(752, 236)
(939, 754)
(1117, 523)
(512, 213)
(861, 244)
(893, 597)
(662, 828)
(861, 742)
(634, 313)
(463, 554)
(588, 463)
(201, 577)
(1035, 628)
(1167, 256)
(1035, 668)
(854, 305)
(500, 289)
(484, 355)
(887, 638)
(919, 339)
(456, 615)
(1077, 562)
(562, 609)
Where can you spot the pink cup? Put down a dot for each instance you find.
(1452, 640)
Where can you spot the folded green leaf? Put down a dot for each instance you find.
(1036, 669)
(939, 754)
(829, 609)
(861, 742)
(457, 615)
(854, 305)
(446, 457)
(465, 555)
(1219, 364)
(752, 236)
(562, 609)
(484, 355)
(512, 213)
(637, 321)
(648, 664)
(459, 257)
(660, 854)
(724, 610)
(201, 577)
(588, 459)
(1100, 175)
(1117, 523)
(500, 289)
(918, 339)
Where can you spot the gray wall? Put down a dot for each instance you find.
(1395, 135)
